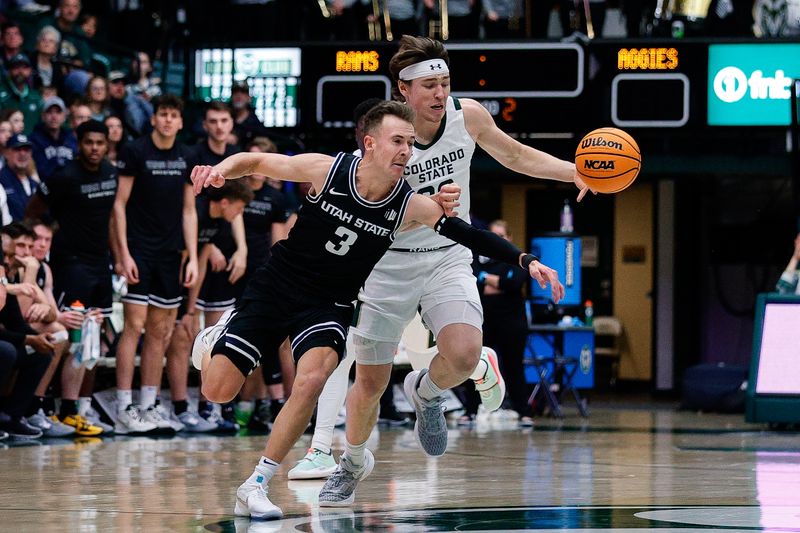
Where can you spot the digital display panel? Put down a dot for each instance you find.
(489, 70)
(338, 96)
(272, 74)
(650, 100)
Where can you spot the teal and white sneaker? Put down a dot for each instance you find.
(206, 339)
(492, 386)
(315, 465)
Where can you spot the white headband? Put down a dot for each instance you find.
(424, 69)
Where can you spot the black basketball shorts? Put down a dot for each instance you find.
(264, 318)
(217, 293)
(84, 280)
(159, 281)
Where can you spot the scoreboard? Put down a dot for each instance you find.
(532, 89)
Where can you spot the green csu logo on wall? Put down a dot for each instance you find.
(750, 84)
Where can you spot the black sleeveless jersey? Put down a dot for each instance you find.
(338, 237)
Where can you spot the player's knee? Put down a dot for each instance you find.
(372, 386)
(134, 323)
(466, 359)
(218, 391)
(310, 383)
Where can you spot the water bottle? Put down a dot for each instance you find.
(588, 311)
(75, 334)
(566, 218)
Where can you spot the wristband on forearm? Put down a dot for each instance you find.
(526, 260)
(483, 242)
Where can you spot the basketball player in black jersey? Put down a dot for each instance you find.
(307, 287)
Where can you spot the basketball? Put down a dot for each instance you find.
(608, 160)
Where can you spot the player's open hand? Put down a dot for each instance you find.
(206, 176)
(543, 275)
(190, 274)
(448, 197)
(237, 266)
(582, 187)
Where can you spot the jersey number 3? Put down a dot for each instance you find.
(343, 246)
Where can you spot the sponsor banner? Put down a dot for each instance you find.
(750, 84)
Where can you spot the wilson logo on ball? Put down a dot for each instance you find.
(600, 142)
(598, 165)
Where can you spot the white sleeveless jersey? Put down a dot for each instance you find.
(446, 160)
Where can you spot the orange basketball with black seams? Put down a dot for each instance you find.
(608, 160)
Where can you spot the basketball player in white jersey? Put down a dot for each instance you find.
(425, 270)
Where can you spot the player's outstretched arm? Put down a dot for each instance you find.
(423, 210)
(515, 155)
(311, 168)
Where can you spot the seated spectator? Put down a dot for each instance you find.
(16, 91)
(5, 135)
(462, 16)
(247, 126)
(73, 39)
(53, 145)
(134, 110)
(89, 25)
(16, 178)
(45, 72)
(79, 113)
(41, 313)
(403, 19)
(504, 19)
(15, 119)
(16, 338)
(788, 282)
(116, 137)
(97, 98)
(12, 41)
(143, 82)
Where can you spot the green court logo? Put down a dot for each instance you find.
(751, 84)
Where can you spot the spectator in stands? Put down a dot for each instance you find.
(403, 17)
(247, 126)
(88, 23)
(73, 40)
(16, 91)
(154, 217)
(143, 82)
(79, 113)
(12, 40)
(5, 134)
(788, 282)
(15, 120)
(116, 137)
(463, 18)
(347, 20)
(45, 72)
(80, 198)
(134, 110)
(16, 178)
(53, 145)
(97, 98)
(504, 19)
(30, 367)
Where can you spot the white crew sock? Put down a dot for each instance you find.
(479, 371)
(265, 469)
(355, 453)
(124, 399)
(147, 396)
(427, 389)
(84, 403)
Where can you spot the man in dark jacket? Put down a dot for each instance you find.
(53, 145)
